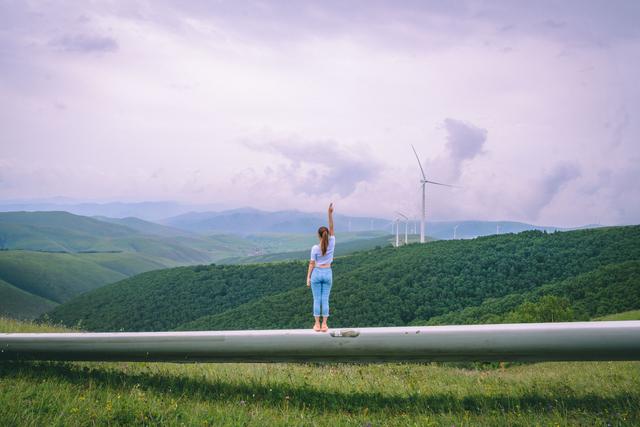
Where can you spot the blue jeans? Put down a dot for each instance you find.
(321, 281)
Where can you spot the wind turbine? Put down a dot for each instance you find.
(455, 228)
(397, 220)
(406, 226)
(424, 181)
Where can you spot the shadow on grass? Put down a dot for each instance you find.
(278, 394)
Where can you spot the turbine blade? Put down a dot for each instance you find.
(439, 183)
(402, 215)
(421, 170)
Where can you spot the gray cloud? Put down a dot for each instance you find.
(549, 186)
(85, 43)
(319, 167)
(464, 142)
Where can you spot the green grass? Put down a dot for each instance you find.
(626, 315)
(10, 325)
(544, 394)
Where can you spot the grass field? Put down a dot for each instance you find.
(627, 315)
(588, 393)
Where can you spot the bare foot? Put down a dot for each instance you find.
(325, 328)
(316, 327)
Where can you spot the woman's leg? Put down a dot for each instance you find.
(324, 296)
(316, 290)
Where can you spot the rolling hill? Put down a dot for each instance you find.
(378, 287)
(16, 303)
(65, 232)
(57, 277)
(35, 282)
(50, 257)
(146, 227)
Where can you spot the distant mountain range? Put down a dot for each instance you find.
(179, 218)
(151, 211)
(250, 220)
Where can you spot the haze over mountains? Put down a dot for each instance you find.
(206, 219)
(151, 211)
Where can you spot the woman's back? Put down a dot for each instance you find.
(327, 258)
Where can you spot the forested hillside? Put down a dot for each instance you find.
(608, 289)
(386, 286)
(164, 299)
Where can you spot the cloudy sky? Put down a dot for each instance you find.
(530, 108)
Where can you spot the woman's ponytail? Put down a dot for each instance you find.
(324, 239)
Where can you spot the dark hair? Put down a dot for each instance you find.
(323, 233)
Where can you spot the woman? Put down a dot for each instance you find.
(319, 275)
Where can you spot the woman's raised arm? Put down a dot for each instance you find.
(331, 219)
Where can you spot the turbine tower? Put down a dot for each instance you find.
(424, 181)
(455, 228)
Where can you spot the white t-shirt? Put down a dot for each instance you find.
(316, 252)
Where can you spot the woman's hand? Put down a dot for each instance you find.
(331, 208)
(308, 282)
